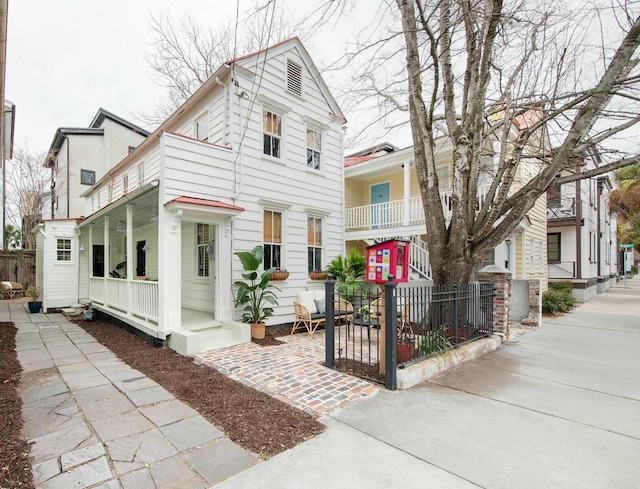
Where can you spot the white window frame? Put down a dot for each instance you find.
(540, 255)
(318, 137)
(268, 110)
(202, 252)
(274, 243)
(65, 251)
(125, 184)
(201, 122)
(141, 174)
(318, 266)
(532, 261)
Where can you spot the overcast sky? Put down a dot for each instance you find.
(67, 58)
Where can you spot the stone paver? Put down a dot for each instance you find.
(292, 372)
(93, 421)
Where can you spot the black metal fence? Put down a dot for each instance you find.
(425, 321)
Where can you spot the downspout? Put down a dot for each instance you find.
(68, 177)
(237, 184)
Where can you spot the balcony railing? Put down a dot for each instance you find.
(136, 297)
(561, 209)
(392, 214)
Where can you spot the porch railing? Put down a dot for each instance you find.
(392, 214)
(561, 209)
(563, 269)
(136, 297)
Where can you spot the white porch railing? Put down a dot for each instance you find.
(419, 257)
(136, 297)
(392, 214)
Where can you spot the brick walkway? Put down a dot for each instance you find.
(291, 372)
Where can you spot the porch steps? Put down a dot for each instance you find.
(212, 335)
(73, 309)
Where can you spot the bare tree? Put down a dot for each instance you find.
(185, 53)
(499, 76)
(27, 180)
(501, 86)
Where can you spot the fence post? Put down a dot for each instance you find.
(501, 279)
(329, 349)
(455, 312)
(391, 336)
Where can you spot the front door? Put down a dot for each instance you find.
(380, 205)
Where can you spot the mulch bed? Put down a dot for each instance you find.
(254, 420)
(15, 464)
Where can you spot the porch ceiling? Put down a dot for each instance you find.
(145, 207)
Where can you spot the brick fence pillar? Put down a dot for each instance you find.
(501, 280)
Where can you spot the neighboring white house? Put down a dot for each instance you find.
(254, 157)
(582, 233)
(80, 156)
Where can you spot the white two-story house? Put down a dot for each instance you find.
(254, 157)
(582, 233)
(80, 156)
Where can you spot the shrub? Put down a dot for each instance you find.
(563, 286)
(557, 300)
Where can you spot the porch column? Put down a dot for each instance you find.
(107, 265)
(407, 193)
(90, 255)
(169, 270)
(129, 252)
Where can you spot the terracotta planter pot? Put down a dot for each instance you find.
(405, 352)
(318, 275)
(258, 330)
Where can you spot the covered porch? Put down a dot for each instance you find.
(154, 266)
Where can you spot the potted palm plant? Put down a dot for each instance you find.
(35, 304)
(255, 293)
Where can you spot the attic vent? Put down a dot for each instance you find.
(294, 78)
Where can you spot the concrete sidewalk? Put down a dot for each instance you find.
(96, 422)
(560, 408)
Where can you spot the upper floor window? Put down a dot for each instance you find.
(294, 78)
(272, 127)
(272, 235)
(203, 237)
(314, 243)
(110, 192)
(63, 249)
(141, 175)
(201, 128)
(87, 177)
(314, 148)
(125, 184)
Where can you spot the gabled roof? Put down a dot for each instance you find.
(94, 129)
(103, 114)
(245, 62)
(213, 81)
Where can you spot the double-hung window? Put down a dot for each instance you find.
(553, 247)
(272, 231)
(272, 137)
(63, 249)
(314, 148)
(203, 237)
(314, 243)
(201, 128)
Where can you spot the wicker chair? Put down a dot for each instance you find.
(304, 319)
(10, 290)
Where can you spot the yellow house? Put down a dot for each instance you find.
(382, 201)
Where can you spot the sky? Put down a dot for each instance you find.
(67, 59)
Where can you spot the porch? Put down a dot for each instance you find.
(396, 217)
